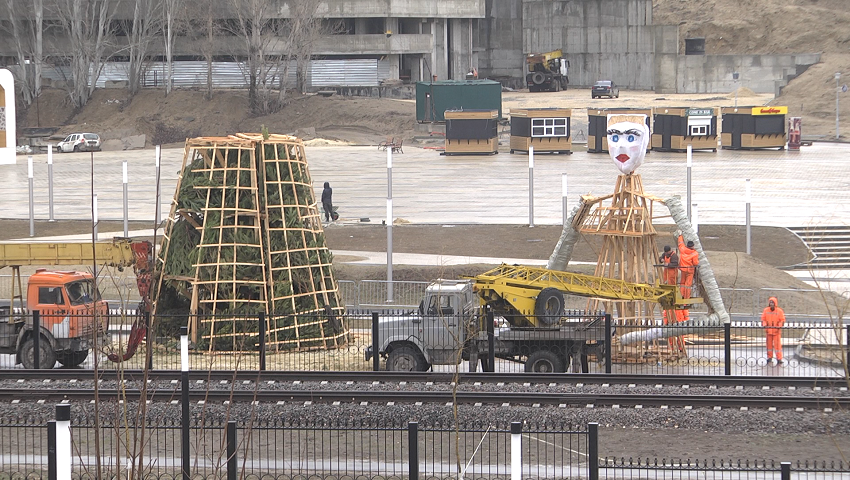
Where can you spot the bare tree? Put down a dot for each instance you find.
(146, 24)
(304, 28)
(26, 28)
(88, 27)
(172, 11)
(272, 44)
(253, 26)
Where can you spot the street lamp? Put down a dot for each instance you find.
(735, 78)
(837, 91)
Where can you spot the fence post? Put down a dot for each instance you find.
(593, 451)
(608, 336)
(184, 367)
(230, 433)
(63, 442)
(262, 341)
(150, 338)
(847, 342)
(491, 341)
(516, 450)
(36, 340)
(376, 358)
(413, 450)
(727, 348)
(51, 450)
(785, 470)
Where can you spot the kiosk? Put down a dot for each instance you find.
(753, 127)
(546, 129)
(597, 126)
(7, 118)
(472, 132)
(675, 128)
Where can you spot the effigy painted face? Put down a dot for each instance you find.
(628, 137)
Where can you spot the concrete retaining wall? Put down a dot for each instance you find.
(759, 73)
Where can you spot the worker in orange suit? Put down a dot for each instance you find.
(676, 343)
(688, 262)
(670, 266)
(773, 319)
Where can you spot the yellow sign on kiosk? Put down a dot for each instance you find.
(770, 111)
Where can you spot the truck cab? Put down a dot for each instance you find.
(433, 335)
(69, 309)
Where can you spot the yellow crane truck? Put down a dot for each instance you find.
(449, 325)
(547, 72)
(72, 315)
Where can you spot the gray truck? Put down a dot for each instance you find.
(450, 327)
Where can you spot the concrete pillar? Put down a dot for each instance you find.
(394, 61)
(360, 27)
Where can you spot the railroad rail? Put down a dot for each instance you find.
(17, 395)
(437, 378)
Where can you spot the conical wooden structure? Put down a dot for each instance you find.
(244, 237)
(624, 220)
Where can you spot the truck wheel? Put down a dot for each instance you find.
(46, 358)
(544, 361)
(73, 359)
(406, 359)
(549, 306)
(538, 78)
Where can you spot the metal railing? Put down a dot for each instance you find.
(334, 448)
(432, 342)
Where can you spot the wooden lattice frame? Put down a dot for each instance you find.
(628, 242)
(246, 214)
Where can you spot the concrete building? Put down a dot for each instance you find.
(391, 41)
(399, 39)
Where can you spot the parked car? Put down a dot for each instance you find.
(605, 88)
(79, 142)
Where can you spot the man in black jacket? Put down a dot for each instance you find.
(327, 204)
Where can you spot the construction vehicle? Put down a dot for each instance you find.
(72, 316)
(547, 72)
(449, 326)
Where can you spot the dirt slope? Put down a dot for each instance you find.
(759, 26)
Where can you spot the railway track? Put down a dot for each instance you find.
(19, 395)
(582, 390)
(68, 375)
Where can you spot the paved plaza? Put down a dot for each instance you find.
(809, 187)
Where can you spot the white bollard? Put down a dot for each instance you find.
(63, 442)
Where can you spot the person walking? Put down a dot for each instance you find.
(688, 262)
(327, 202)
(773, 319)
(670, 266)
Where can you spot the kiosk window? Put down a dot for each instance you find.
(698, 130)
(548, 127)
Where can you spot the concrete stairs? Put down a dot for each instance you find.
(830, 246)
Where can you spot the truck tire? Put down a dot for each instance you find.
(549, 306)
(73, 359)
(544, 361)
(538, 78)
(46, 358)
(406, 359)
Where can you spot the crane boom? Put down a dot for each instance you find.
(118, 253)
(517, 288)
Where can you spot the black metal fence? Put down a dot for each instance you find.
(354, 449)
(406, 340)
